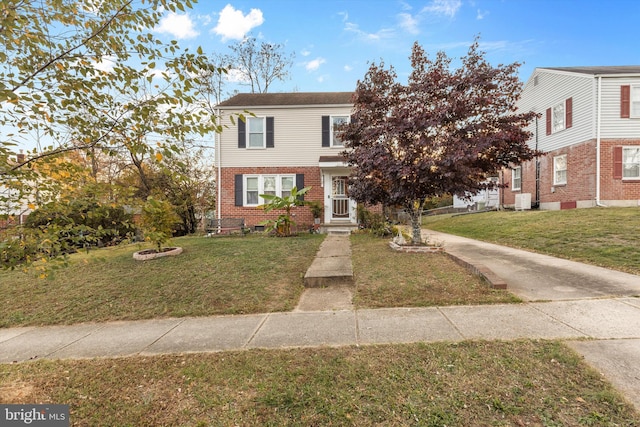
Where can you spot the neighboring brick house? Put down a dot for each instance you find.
(589, 130)
(285, 141)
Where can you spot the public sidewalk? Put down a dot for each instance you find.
(565, 300)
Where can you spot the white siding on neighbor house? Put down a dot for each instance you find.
(613, 126)
(553, 87)
(297, 137)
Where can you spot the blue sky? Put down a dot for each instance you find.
(334, 41)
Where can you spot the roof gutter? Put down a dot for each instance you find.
(598, 149)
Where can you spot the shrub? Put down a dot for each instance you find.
(82, 223)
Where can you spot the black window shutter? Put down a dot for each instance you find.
(270, 139)
(326, 131)
(238, 189)
(300, 183)
(242, 134)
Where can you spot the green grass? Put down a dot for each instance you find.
(520, 383)
(386, 278)
(226, 275)
(607, 237)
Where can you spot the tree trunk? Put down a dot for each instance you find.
(415, 213)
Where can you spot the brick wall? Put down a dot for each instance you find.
(253, 215)
(580, 189)
(612, 190)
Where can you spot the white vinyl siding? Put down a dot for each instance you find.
(297, 137)
(613, 126)
(553, 89)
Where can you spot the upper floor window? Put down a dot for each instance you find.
(560, 116)
(631, 162)
(560, 170)
(516, 178)
(336, 121)
(557, 117)
(330, 126)
(256, 134)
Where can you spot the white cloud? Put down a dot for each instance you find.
(481, 14)
(179, 26)
(381, 34)
(315, 64)
(106, 64)
(348, 68)
(305, 52)
(236, 75)
(408, 23)
(234, 25)
(443, 7)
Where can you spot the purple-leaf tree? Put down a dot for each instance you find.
(444, 132)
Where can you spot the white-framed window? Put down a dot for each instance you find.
(631, 162)
(516, 178)
(557, 117)
(286, 184)
(560, 170)
(335, 122)
(276, 185)
(256, 135)
(635, 101)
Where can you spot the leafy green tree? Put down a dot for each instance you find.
(282, 225)
(91, 76)
(158, 221)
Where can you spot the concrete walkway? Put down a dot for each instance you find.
(565, 300)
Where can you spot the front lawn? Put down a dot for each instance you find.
(520, 383)
(608, 237)
(386, 278)
(221, 275)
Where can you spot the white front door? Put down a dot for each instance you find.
(339, 198)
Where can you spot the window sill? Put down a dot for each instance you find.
(560, 185)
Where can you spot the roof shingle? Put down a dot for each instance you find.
(295, 98)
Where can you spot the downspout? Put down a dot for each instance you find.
(218, 161)
(537, 203)
(598, 124)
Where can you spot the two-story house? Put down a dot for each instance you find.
(589, 130)
(286, 140)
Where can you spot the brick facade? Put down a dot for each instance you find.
(580, 189)
(254, 215)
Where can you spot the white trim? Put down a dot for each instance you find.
(555, 170)
(629, 178)
(261, 190)
(513, 178)
(248, 133)
(331, 131)
(633, 88)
